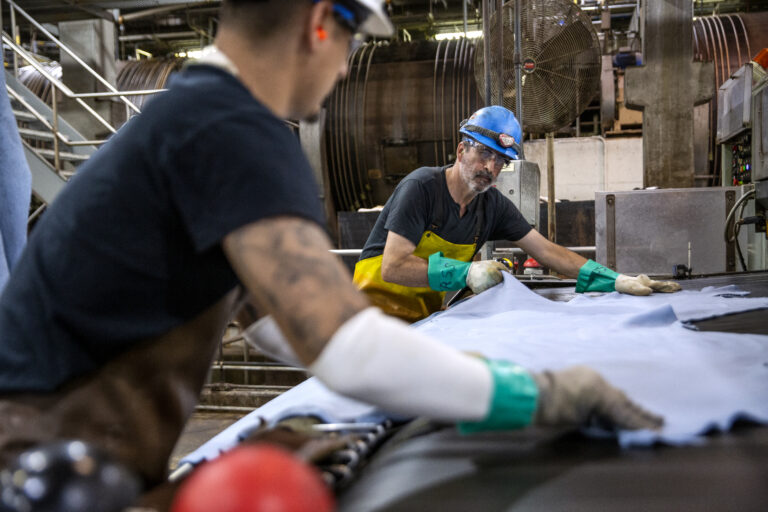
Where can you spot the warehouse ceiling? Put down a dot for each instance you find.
(166, 27)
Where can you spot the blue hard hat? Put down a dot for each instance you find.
(495, 127)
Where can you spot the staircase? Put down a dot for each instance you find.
(35, 119)
(53, 147)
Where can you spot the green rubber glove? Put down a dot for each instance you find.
(446, 274)
(594, 277)
(513, 402)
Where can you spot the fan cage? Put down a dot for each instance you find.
(561, 50)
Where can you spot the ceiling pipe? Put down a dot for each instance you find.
(165, 35)
(133, 16)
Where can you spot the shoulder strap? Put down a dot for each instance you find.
(479, 216)
(437, 210)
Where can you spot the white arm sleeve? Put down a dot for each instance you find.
(380, 360)
(265, 336)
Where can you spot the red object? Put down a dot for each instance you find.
(254, 478)
(322, 34)
(531, 263)
(762, 58)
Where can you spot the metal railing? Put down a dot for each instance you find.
(58, 138)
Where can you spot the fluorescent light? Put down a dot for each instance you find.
(192, 54)
(472, 34)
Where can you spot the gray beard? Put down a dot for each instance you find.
(478, 189)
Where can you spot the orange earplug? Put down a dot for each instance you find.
(322, 34)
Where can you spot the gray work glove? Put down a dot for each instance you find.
(485, 274)
(643, 285)
(577, 394)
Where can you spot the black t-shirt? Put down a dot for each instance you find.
(131, 248)
(410, 211)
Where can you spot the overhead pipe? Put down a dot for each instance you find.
(155, 11)
(164, 35)
(464, 10)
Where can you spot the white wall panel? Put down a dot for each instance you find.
(586, 165)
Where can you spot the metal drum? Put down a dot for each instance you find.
(145, 74)
(398, 109)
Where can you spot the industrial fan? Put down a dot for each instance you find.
(560, 55)
(560, 70)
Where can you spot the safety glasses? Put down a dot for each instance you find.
(351, 19)
(487, 153)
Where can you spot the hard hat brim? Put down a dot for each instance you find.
(490, 143)
(377, 24)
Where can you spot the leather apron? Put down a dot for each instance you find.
(415, 303)
(134, 407)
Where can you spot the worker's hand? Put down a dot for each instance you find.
(574, 395)
(485, 274)
(643, 285)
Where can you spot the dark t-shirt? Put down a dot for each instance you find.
(131, 248)
(411, 210)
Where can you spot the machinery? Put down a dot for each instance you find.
(519, 182)
(743, 137)
(655, 231)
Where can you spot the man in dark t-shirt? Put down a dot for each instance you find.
(438, 218)
(109, 323)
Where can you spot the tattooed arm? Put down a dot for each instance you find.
(285, 264)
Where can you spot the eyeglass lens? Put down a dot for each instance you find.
(488, 154)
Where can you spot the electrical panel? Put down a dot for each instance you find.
(759, 153)
(742, 127)
(741, 161)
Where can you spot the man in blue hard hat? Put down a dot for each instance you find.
(438, 218)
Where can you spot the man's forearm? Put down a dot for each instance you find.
(408, 271)
(562, 260)
(551, 255)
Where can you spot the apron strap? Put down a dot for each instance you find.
(479, 218)
(437, 211)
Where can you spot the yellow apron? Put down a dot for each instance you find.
(408, 303)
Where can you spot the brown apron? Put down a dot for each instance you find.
(134, 407)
